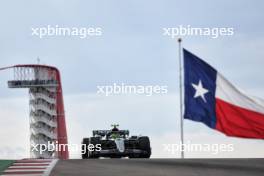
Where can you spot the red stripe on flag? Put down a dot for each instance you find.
(240, 122)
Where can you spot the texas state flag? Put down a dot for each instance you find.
(214, 101)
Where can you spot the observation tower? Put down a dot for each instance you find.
(47, 118)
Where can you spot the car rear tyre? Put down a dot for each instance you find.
(94, 141)
(85, 151)
(144, 144)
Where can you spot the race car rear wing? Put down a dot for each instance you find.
(107, 132)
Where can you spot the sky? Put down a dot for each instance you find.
(131, 50)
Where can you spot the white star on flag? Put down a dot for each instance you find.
(200, 91)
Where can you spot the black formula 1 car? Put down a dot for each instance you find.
(115, 143)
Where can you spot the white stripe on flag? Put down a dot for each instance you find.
(230, 94)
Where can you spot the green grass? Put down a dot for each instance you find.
(4, 164)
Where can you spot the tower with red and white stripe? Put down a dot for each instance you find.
(47, 118)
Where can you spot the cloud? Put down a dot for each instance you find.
(131, 50)
(14, 128)
(155, 116)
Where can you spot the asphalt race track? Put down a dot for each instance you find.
(160, 167)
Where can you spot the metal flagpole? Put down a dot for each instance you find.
(181, 104)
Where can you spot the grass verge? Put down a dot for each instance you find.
(4, 164)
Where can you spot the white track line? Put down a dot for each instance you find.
(21, 170)
(18, 167)
(22, 175)
(51, 166)
(30, 163)
(36, 160)
(22, 167)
